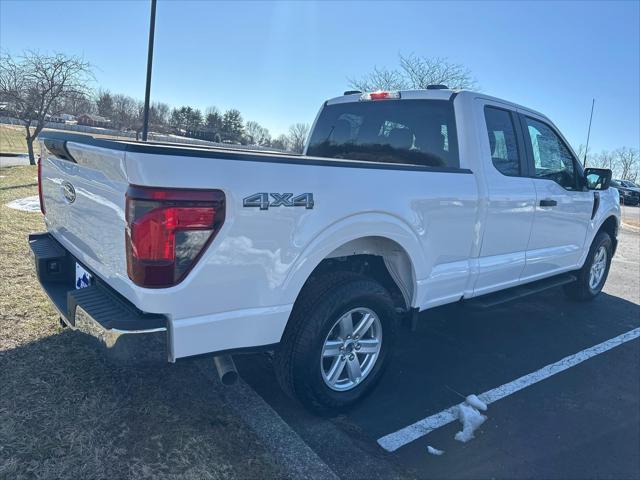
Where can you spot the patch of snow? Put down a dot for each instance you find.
(434, 451)
(476, 403)
(471, 419)
(27, 204)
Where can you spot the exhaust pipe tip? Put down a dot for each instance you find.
(229, 378)
(226, 369)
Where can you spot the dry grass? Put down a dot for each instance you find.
(66, 413)
(12, 140)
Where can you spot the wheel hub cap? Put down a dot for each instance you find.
(351, 349)
(598, 267)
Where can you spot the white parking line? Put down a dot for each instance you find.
(408, 434)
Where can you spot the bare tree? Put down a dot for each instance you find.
(257, 134)
(581, 152)
(281, 142)
(628, 163)
(77, 104)
(604, 159)
(416, 72)
(297, 136)
(125, 112)
(381, 79)
(36, 86)
(159, 115)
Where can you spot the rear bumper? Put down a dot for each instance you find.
(125, 334)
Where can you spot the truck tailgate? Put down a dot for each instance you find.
(83, 188)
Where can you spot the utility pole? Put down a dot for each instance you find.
(147, 92)
(584, 163)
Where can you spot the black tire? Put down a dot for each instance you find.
(322, 302)
(581, 290)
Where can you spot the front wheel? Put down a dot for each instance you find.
(593, 275)
(337, 342)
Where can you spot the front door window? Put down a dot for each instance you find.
(552, 159)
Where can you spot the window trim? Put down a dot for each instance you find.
(522, 157)
(579, 180)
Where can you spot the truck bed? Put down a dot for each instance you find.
(55, 142)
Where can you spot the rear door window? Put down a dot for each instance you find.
(502, 141)
(419, 132)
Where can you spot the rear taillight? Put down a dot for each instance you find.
(40, 196)
(168, 230)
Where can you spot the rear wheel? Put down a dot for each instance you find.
(337, 342)
(593, 275)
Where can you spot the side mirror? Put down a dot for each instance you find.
(598, 178)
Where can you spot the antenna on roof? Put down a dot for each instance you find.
(584, 162)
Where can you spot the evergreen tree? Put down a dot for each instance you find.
(232, 126)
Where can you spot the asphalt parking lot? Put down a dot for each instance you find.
(581, 423)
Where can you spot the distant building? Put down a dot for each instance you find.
(62, 118)
(92, 120)
(202, 133)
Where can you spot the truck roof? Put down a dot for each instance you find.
(437, 94)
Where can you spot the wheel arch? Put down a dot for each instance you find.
(372, 238)
(610, 225)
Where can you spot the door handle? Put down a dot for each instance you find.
(547, 202)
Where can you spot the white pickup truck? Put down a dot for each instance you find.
(402, 201)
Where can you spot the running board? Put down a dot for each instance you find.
(492, 299)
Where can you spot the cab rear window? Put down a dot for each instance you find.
(418, 132)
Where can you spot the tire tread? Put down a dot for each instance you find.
(302, 330)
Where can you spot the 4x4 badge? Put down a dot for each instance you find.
(262, 200)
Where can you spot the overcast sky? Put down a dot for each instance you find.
(277, 62)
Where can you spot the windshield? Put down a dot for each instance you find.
(420, 132)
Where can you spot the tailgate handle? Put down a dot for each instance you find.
(547, 202)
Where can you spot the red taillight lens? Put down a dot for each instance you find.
(380, 95)
(40, 196)
(167, 231)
